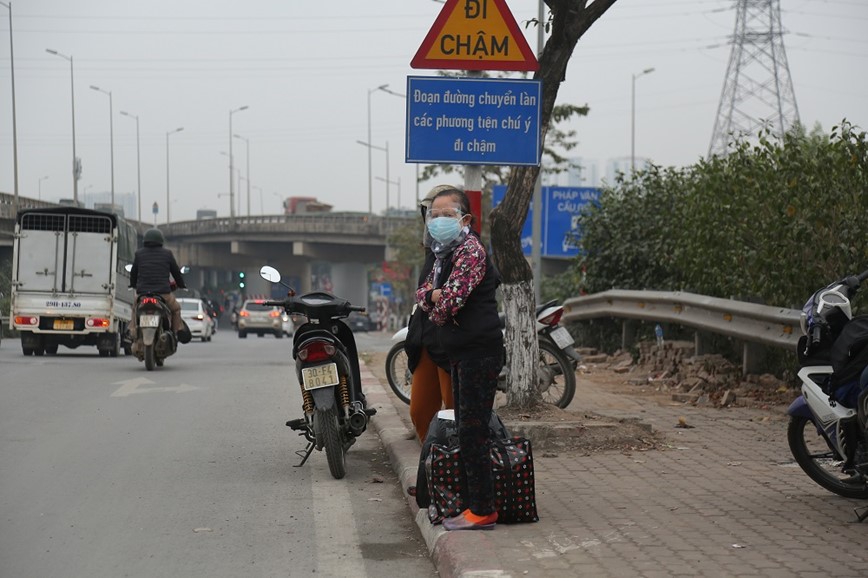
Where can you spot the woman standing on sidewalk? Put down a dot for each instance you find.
(459, 297)
(431, 388)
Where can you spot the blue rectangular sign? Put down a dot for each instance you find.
(473, 121)
(561, 207)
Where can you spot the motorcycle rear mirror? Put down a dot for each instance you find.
(128, 267)
(269, 273)
(185, 270)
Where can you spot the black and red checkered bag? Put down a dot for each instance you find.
(512, 476)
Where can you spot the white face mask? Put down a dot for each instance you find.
(444, 229)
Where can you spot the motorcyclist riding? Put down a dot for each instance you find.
(150, 274)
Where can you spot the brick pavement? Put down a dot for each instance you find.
(724, 499)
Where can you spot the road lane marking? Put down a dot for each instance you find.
(133, 386)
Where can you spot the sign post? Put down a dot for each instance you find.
(475, 35)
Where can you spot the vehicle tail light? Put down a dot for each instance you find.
(274, 313)
(316, 351)
(149, 300)
(243, 314)
(26, 320)
(97, 322)
(553, 318)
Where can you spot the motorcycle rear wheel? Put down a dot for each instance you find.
(819, 461)
(556, 377)
(398, 373)
(325, 424)
(150, 357)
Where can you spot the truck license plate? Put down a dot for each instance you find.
(149, 320)
(562, 337)
(319, 376)
(64, 324)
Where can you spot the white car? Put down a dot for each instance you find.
(193, 312)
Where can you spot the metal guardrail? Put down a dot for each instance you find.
(749, 322)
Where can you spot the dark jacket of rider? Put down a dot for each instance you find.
(151, 268)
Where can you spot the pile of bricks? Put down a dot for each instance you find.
(699, 379)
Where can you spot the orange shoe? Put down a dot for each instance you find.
(467, 520)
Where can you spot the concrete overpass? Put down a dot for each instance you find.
(305, 248)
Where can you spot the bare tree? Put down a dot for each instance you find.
(570, 19)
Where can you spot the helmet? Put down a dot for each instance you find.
(154, 237)
(429, 198)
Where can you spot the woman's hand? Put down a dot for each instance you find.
(435, 295)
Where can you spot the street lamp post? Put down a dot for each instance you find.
(138, 166)
(261, 208)
(633, 118)
(111, 138)
(396, 182)
(368, 144)
(168, 201)
(246, 142)
(386, 150)
(76, 168)
(232, 166)
(40, 186)
(8, 6)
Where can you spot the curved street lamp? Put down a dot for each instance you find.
(138, 166)
(232, 166)
(8, 6)
(76, 167)
(111, 137)
(168, 201)
(633, 118)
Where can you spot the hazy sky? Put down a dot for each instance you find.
(305, 68)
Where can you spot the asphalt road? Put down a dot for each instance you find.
(109, 470)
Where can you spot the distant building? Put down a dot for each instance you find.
(302, 205)
(582, 173)
(126, 202)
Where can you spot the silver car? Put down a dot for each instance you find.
(193, 312)
(256, 317)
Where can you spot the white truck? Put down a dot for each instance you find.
(69, 285)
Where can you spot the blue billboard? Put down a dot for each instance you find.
(483, 121)
(561, 207)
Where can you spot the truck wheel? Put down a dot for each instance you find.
(242, 335)
(26, 351)
(39, 351)
(51, 349)
(116, 345)
(103, 352)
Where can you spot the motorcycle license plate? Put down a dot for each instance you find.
(64, 324)
(149, 321)
(562, 337)
(320, 376)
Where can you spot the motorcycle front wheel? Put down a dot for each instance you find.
(150, 357)
(821, 462)
(327, 429)
(398, 373)
(556, 378)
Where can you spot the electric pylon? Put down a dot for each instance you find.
(758, 89)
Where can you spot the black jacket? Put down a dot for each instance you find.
(151, 269)
(421, 332)
(475, 331)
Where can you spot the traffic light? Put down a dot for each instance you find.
(241, 284)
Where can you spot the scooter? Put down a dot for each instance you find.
(828, 433)
(154, 340)
(556, 372)
(327, 369)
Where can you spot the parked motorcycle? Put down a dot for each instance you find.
(827, 432)
(327, 369)
(556, 372)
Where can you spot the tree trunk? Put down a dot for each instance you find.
(570, 20)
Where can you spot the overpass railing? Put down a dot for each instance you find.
(7, 205)
(751, 323)
(349, 224)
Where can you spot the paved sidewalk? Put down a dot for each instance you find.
(725, 499)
